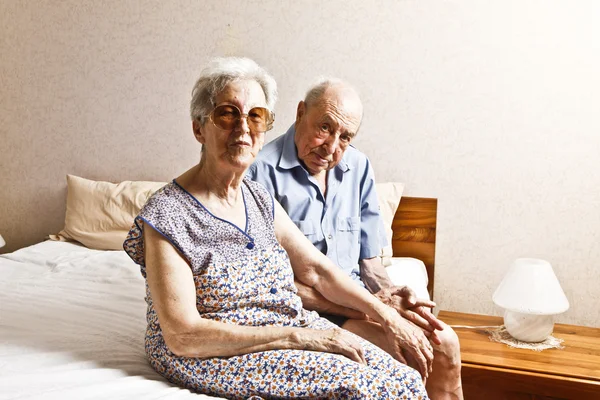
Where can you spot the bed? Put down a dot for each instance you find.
(72, 319)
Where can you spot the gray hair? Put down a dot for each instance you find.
(322, 84)
(219, 73)
(317, 90)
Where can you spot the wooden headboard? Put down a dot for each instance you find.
(414, 228)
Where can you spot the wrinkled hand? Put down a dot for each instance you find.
(404, 300)
(334, 340)
(409, 344)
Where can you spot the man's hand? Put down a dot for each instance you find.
(404, 300)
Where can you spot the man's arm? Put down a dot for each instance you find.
(374, 275)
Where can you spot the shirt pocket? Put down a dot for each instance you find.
(307, 227)
(351, 224)
(347, 239)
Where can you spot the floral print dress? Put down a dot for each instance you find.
(243, 276)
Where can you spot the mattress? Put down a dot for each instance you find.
(72, 323)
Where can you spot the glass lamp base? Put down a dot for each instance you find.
(528, 327)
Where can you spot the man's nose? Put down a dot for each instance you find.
(331, 144)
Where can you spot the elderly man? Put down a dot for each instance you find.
(327, 187)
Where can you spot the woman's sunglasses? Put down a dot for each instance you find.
(228, 116)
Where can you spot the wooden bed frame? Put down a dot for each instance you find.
(414, 229)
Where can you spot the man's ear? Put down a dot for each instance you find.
(300, 111)
(198, 131)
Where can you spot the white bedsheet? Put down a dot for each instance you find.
(72, 323)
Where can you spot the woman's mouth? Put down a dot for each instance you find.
(241, 143)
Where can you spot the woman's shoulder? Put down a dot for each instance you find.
(262, 195)
(253, 185)
(164, 199)
(257, 188)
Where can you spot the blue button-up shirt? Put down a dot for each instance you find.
(346, 225)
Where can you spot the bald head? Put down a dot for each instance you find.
(326, 122)
(332, 88)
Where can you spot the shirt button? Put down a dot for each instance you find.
(330, 237)
(273, 290)
(250, 246)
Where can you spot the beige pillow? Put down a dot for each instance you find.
(388, 195)
(100, 214)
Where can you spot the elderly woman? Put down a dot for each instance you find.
(219, 258)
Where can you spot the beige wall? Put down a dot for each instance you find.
(492, 107)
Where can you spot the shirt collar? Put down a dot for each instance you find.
(289, 155)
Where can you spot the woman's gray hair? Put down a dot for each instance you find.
(219, 73)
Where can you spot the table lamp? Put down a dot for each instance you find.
(530, 295)
(2, 242)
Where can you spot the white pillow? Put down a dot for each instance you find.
(410, 272)
(388, 195)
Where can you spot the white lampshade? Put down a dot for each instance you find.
(2, 242)
(530, 287)
(530, 295)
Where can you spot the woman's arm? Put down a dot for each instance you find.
(186, 334)
(315, 270)
(313, 300)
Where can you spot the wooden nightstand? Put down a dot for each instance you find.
(494, 371)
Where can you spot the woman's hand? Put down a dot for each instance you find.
(334, 340)
(406, 338)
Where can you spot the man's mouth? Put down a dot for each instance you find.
(322, 160)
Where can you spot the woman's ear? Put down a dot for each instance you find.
(198, 131)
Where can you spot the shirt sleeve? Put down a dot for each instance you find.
(372, 232)
(251, 173)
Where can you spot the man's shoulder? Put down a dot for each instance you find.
(265, 165)
(356, 158)
(271, 152)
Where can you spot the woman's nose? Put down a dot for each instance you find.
(242, 124)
